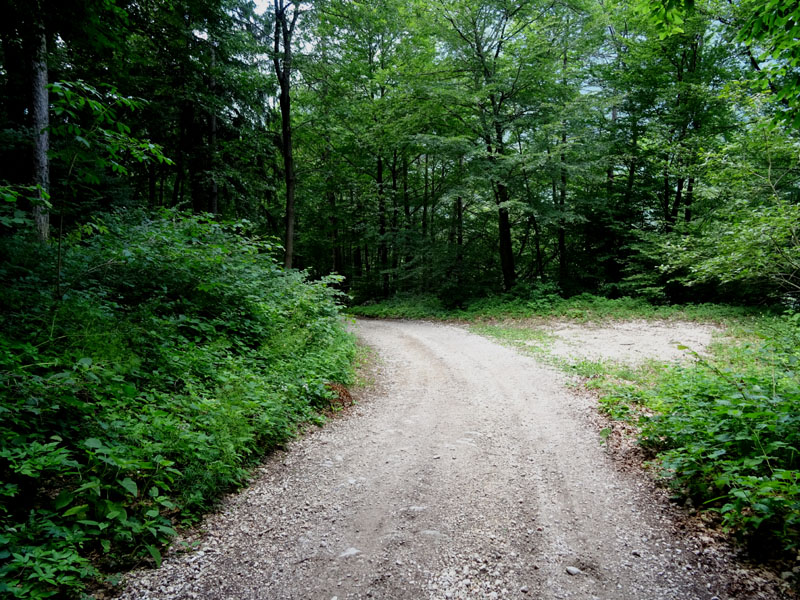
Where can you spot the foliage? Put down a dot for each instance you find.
(752, 242)
(546, 303)
(724, 431)
(177, 354)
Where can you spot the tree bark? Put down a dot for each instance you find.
(562, 204)
(40, 116)
(214, 208)
(383, 256)
(506, 247)
(687, 215)
(282, 60)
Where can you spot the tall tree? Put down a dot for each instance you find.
(286, 16)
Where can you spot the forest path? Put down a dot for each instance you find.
(469, 471)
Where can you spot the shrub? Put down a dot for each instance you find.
(727, 434)
(141, 382)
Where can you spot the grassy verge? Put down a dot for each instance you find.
(582, 308)
(141, 384)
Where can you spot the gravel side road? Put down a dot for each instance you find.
(470, 471)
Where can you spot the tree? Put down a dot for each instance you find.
(286, 15)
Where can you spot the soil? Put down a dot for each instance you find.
(467, 471)
(631, 342)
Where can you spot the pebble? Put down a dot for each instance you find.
(574, 571)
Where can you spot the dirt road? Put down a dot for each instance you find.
(470, 472)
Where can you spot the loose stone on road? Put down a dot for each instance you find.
(470, 471)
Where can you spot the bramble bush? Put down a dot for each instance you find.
(172, 353)
(725, 431)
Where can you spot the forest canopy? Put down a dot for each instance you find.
(455, 147)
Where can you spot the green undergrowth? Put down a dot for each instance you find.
(725, 432)
(581, 308)
(170, 356)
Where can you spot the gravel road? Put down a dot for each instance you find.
(468, 471)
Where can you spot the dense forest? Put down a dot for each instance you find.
(192, 188)
(457, 147)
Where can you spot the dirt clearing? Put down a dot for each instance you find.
(471, 471)
(630, 342)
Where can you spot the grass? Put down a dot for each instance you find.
(581, 308)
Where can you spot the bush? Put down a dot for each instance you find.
(726, 434)
(169, 356)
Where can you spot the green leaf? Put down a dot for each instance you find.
(75, 510)
(130, 485)
(63, 499)
(155, 554)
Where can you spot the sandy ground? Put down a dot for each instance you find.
(630, 342)
(468, 471)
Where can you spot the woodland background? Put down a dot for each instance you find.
(191, 189)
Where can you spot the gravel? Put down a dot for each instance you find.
(468, 471)
(630, 342)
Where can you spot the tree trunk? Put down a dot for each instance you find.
(665, 200)
(506, 246)
(336, 250)
(676, 205)
(562, 204)
(151, 185)
(425, 202)
(282, 60)
(394, 225)
(383, 256)
(40, 116)
(687, 215)
(213, 139)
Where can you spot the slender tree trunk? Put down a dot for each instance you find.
(358, 259)
(506, 246)
(383, 257)
(537, 240)
(395, 216)
(687, 215)
(213, 139)
(282, 60)
(562, 204)
(163, 178)
(40, 113)
(152, 179)
(336, 250)
(459, 238)
(610, 172)
(425, 202)
(676, 205)
(667, 195)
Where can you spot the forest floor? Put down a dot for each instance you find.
(465, 470)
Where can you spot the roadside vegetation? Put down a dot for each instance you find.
(723, 431)
(142, 372)
(538, 303)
